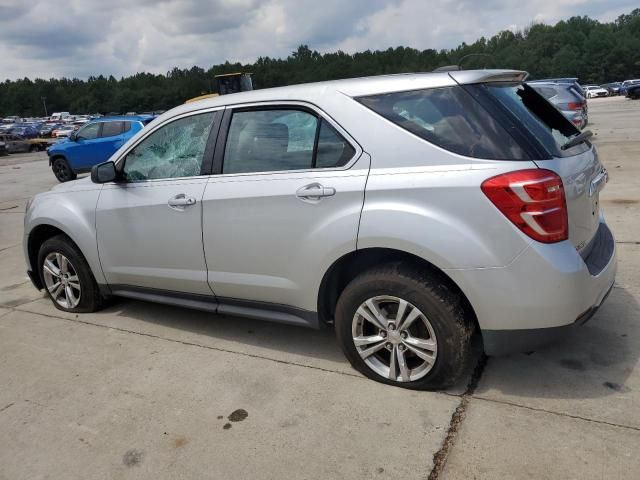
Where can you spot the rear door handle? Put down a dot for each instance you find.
(315, 191)
(180, 201)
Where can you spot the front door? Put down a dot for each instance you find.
(284, 205)
(149, 225)
(85, 141)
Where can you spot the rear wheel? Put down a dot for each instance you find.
(62, 170)
(67, 277)
(400, 326)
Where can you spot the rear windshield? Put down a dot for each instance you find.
(539, 117)
(450, 118)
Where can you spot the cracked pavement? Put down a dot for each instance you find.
(151, 391)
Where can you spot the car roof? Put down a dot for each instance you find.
(119, 118)
(354, 87)
(555, 80)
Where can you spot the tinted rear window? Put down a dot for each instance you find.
(450, 118)
(111, 129)
(539, 117)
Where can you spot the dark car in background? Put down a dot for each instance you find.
(24, 131)
(573, 81)
(632, 90)
(15, 143)
(625, 85)
(565, 97)
(613, 88)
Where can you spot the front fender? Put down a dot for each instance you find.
(73, 213)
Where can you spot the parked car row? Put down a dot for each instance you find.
(627, 88)
(58, 125)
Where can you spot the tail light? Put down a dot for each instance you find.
(533, 200)
(575, 105)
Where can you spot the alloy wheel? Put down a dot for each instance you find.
(61, 280)
(394, 338)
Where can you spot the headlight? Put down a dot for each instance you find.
(29, 204)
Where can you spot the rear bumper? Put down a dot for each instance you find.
(504, 342)
(542, 294)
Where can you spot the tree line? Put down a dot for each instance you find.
(593, 51)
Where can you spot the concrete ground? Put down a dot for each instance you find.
(148, 391)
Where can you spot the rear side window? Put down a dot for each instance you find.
(450, 118)
(282, 139)
(270, 140)
(333, 149)
(539, 118)
(111, 129)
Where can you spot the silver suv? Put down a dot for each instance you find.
(407, 211)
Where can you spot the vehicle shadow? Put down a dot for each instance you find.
(284, 343)
(595, 360)
(239, 334)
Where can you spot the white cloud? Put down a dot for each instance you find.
(92, 37)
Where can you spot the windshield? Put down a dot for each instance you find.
(539, 117)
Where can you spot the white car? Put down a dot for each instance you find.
(64, 131)
(593, 91)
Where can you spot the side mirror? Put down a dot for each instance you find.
(73, 137)
(104, 172)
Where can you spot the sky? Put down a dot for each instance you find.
(80, 38)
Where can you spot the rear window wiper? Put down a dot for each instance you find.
(578, 139)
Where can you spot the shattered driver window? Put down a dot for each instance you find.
(175, 150)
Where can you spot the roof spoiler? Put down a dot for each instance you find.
(488, 76)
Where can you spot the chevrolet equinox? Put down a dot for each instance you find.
(406, 211)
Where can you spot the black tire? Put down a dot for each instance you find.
(431, 293)
(62, 170)
(90, 298)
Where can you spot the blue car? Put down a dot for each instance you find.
(94, 143)
(24, 131)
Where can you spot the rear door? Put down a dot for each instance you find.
(284, 204)
(112, 137)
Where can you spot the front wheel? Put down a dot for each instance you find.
(62, 170)
(400, 326)
(67, 277)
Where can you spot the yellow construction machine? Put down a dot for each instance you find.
(228, 83)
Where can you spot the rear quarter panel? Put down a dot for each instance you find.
(440, 214)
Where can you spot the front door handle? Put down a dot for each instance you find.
(315, 191)
(180, 201)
